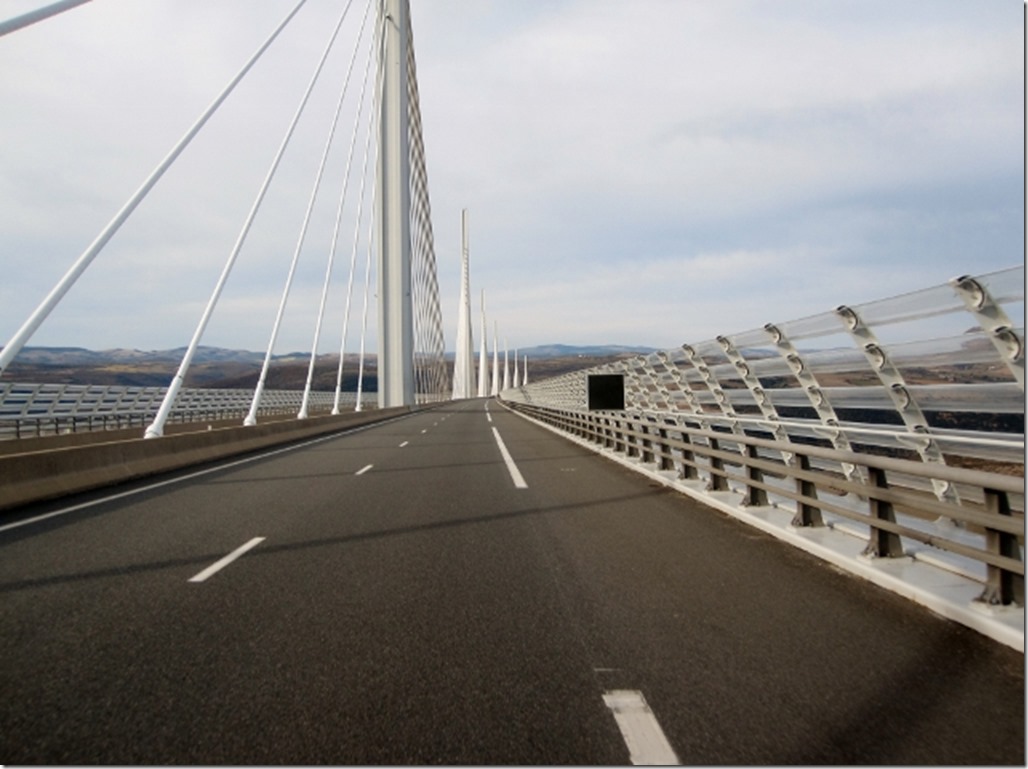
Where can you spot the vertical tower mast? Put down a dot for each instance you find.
(395, 315)
(463, 360)
(483, 358)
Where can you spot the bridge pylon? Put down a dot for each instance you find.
(393, 207)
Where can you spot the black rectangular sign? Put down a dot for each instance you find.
(606, 392)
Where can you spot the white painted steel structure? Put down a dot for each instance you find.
(483, 356)
(827, 385)
(463, 359)
(898, 419)
(393, 214)
(432, 378)
(411, 356)
(29, 327)
(495, 388)
(37, 15)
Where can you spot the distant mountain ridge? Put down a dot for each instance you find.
(80, 356)
(587, 351)
(216, 367)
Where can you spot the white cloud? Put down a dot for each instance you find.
(636, 172)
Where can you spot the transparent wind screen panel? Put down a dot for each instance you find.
(953, 323)
(998, 398)
(741, 399)
(820, 325)
(747, 340)
(1008, 452)
(837, 360)
(710, 351)
(772, 368)
(917, 305)
(875, 398)
(692, 377)
(1006, 287)
(793, 397)
(726, 375)
(755, 356)
(969, 358)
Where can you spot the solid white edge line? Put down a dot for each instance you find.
(363, 470)
(515, 474)
(647, 745)
(197, 474)
(217, 566)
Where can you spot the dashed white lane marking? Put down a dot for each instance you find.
(647, 745)
(363, 470)
(424, 431)
(404, 444)
(515, 474)
(217, 566)
(489, 416)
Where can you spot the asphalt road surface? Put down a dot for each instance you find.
(405, 595)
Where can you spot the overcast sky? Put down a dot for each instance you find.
(637, 173)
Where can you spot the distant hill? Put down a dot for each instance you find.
(217, 367)
(584, 351)
(212, 367)
(78, 356)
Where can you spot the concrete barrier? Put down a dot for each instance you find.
(84, 437)
(35, 476)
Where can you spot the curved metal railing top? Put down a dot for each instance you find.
(936, 373)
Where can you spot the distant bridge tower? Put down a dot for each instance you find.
(483, 357)
(463, 360)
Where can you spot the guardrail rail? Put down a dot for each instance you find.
(901, 420)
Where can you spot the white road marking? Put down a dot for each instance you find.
(489, 416)
(404, 444)
(217, 566)
(197, 474)
(647, 745)
(363, 470)
(515, 474)
(424, 431)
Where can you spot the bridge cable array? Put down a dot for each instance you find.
(430, 375)
(431, 378)
(29, 327)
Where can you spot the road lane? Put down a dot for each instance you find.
(427, 610)
(753, 652)
(389, 623)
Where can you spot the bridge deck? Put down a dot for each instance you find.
(427, 610)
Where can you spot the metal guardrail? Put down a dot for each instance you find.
(34, 410)
(894, 415)
(935, 374)
(895, 503)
